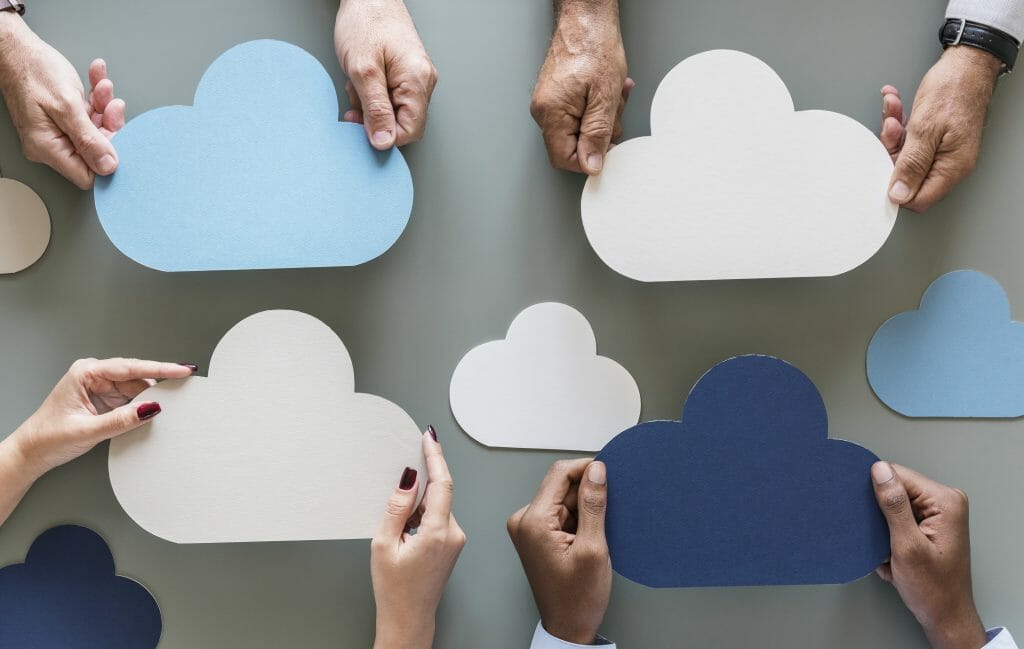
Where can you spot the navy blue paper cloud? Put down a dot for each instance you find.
(66, 595)
(747, 489)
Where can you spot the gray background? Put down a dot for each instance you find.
(493, 231)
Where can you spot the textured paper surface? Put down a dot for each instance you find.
(746, 490)
(733, 184)
(544, 386)
(959, 355)
(24, 226)
(258, 174)
(275, 445)
(67, 595)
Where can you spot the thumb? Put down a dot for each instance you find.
(94, 147)
(912, 166)
(592, 503)
(399, 508)
(596, 128)
(895, 504)
(120, 420)
(371, 84)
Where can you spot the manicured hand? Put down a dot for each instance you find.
(583, 87)
(931, 555)
(410, 570)
(561, 543)
(939, 145)
(57, 124)
(90, 404)
(391, 78)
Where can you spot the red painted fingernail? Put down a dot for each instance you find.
(148, 410)
(433, 433)
(191, 366)
(408, 478)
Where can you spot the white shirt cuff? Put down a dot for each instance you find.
(1000, 638)
(544, 640)
(1005, 15)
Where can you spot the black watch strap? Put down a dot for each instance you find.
(958, 31)
(13, 5)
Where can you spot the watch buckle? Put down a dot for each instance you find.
(960, 32)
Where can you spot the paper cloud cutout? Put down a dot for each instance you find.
(733, 184)
(746, 490)
(960, 355)
(258, 174)
(24, 226)
(67, 595)
(544, 386)
(275, 445)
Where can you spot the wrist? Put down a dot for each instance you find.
(403, 633)
(959, 631)
(15, 463)
(13, 32)
(975, 61)
(591, 12)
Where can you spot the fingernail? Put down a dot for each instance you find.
(900, 192)
(382, 137)
(191, 366)
(881, 472)
(595, 161)
(148, 410)
(433, 433)
(596, 473)
(408, 479)
(107, 164)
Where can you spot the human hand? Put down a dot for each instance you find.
(57, 125)
(938, 146)
(391, 78)
(561, 543)
(931, 555)
(583, 87)
(91, 403)
(410, 570)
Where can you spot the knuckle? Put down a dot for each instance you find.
(594, 502)
(365, 70)
(895, 501)
(377, 544)
(377, 108)
(598, 128)
(395, 507)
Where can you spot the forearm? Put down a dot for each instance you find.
(592, 8)
(16, 476)
(13, 32)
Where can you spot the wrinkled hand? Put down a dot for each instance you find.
(561, 543)
(391, 78)
(410, 570)
(91, 403)
(583, 87)
(931, 555)
(938, 146)
(57, 125)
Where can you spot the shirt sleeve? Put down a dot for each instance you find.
(1005, 15)
(1000, 638)
(544, 640)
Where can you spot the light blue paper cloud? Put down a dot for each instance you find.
(960, 355)
(259, 173)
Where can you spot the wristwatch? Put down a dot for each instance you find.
(13, 5)
(1004, 47)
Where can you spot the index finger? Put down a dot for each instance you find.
(917, 484)
(559, 479)
(561, 137)
(128, 369)
(437, 498)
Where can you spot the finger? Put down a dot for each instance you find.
(559, 480)
(895, 504)
(355, 113)
(912, 165)
(885, 572)
(411, 118)
(120, 420)
(128, 369)
(134, 388)
(370, 84)
(627, 88)
(918, 485)
(60, 154)
(97, 72)
(400, 507)
(94, 148)
(101, 95)
(935, 187)
(514, 522)
(561, 137)
(596, 129)
(437, 499)
(593, 501)
(113, 117)
(892, 136)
